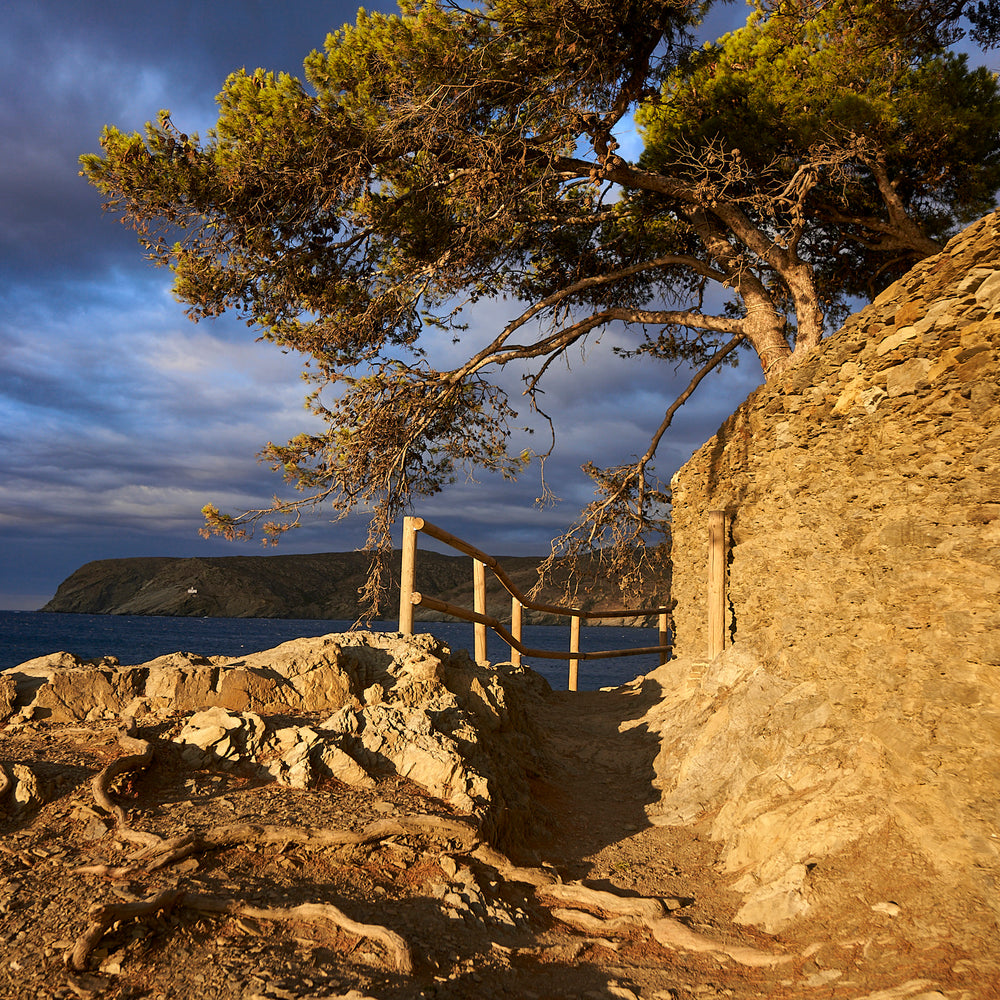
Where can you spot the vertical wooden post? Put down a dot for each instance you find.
(407, 570)
(664, 637)
(574, 647)
(716, 582)
(479, 606)
(515, 630)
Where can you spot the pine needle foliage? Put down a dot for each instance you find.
(453, 152)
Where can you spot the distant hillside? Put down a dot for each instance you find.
(322, 585)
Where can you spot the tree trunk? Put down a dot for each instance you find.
(808, 313)
(765, 329)
(764, 325)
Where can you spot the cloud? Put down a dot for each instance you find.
(119, 418)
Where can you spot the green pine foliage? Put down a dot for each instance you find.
(450, 153)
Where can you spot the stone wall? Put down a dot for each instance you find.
(857, 704)
(863, 491)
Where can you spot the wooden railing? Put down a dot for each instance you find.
(410, 598)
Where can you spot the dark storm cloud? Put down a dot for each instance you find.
(68, 68)
(119, 418)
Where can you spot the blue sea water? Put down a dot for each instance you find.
(136, 639)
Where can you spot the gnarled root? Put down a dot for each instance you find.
(511, 872)
(158, 853)
(104, 916)
(139, 756)
(312, 913)
(673, 934)
(629, 912)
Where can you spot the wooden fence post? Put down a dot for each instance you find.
(407, 571)
(515, 630)
(574, 647)
(664, 637)
(716, 582)
(479, 606)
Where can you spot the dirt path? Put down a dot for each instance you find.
(474, 930)
(598, 777)
(601, 777)
(599, 780)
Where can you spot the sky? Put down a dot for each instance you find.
(119, 417)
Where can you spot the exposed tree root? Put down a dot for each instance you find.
(460, 831)
(102, 917)
(673, 934)
(169, 852)
(512, 873)
(584, 921)
(139, 756)
(310, 913)
(106, 915)
(638, 907)
(159, 853)
(630, 912)
(156, 852)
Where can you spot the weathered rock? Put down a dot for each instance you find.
(217, 736)
(8, 694)
(400, 705)
(64, 688)
(302, 675)
(335, 763)
(406, 743)
(25, 790)
(862, 693)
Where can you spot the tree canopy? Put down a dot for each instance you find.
(458, 152)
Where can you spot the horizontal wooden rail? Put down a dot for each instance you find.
(419, 524)
(545, 654)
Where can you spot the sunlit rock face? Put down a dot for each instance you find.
(350, 705)
(861, 687)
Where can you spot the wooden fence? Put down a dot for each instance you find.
(410, 598)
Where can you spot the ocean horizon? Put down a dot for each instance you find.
(26, 635)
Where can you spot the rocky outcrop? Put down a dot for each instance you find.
(353, 706)
(860, 697)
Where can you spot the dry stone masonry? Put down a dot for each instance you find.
(860, 693)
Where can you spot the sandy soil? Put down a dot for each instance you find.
(472, 923)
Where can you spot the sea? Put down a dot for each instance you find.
(25, 635)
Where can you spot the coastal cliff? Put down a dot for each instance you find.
(320, 585)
